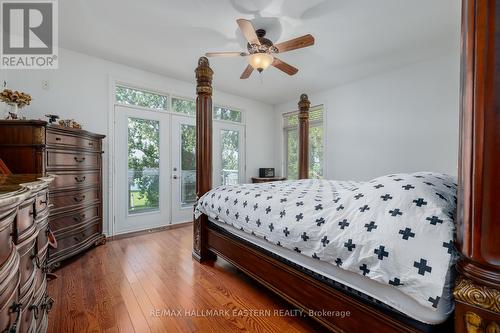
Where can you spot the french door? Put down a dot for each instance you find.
(155, 166)
(141, 166)
(183, 168)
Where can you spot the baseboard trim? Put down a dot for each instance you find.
(148, 231)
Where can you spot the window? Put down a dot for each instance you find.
(142, 98)
(291, 142)
(186, 106)
(230, 155)
(222, 113)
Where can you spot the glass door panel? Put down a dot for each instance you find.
(143, 165)
(188, 165)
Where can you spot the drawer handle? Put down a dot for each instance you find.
(34, 256)
(79, 199)
(43, 202)
(58, 138)
(51, 238)
(79, 159)
(15, 307)
(79, 218)
(76, 238)
(80, 179)
(46, 268)
(47, 305)
(34, 308)
(37, 262)
(91, 144)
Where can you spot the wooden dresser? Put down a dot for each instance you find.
(74, 157)
(24, 242)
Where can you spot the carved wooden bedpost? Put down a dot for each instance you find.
(304, 105)
(477, 290)
(204, 76)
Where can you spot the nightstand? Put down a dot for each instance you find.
(267, 180)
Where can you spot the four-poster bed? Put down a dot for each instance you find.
(477, 290)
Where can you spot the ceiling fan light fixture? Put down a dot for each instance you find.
(260, 61)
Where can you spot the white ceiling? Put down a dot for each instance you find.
(354, 38)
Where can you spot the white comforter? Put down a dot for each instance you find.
(396, 229)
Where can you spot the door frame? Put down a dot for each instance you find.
(110, 183)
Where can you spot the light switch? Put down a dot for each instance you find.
(45, 85)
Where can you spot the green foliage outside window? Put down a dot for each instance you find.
(185, 106)
(293, 154)
(316, 152)
(221, 113)
(141, 98)
(143, 164)
(230, 155)
(188, 164)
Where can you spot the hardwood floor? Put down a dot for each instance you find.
(131, 284)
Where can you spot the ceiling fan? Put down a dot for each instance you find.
(261, 51)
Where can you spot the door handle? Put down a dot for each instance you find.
(174, 176)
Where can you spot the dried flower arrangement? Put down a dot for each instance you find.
(69, 123)
(15, 97)
(15, 101)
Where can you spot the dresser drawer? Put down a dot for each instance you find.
(9, 278)
(40, 263)
(37, 305)
(6, 244)
(74, 179)
(24, 219)
(60, 159)
(41, 203)
(7, 298)
(64, 222)
(64, 201)
(27, 253)
(43, 236)
(27, 321)
(76, 238)
(66, 140)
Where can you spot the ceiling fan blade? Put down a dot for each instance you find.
(226, 54)
(248, 31)
(247, 72)
(283, 66)
(296, 43)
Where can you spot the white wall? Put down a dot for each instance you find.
(79, 89)
(405, 120)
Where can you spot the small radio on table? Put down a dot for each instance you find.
(266, 172)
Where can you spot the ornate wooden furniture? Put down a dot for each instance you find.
(76, 219)
(24, 242)
(74, 156)
(477, 291)
(267, 180)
